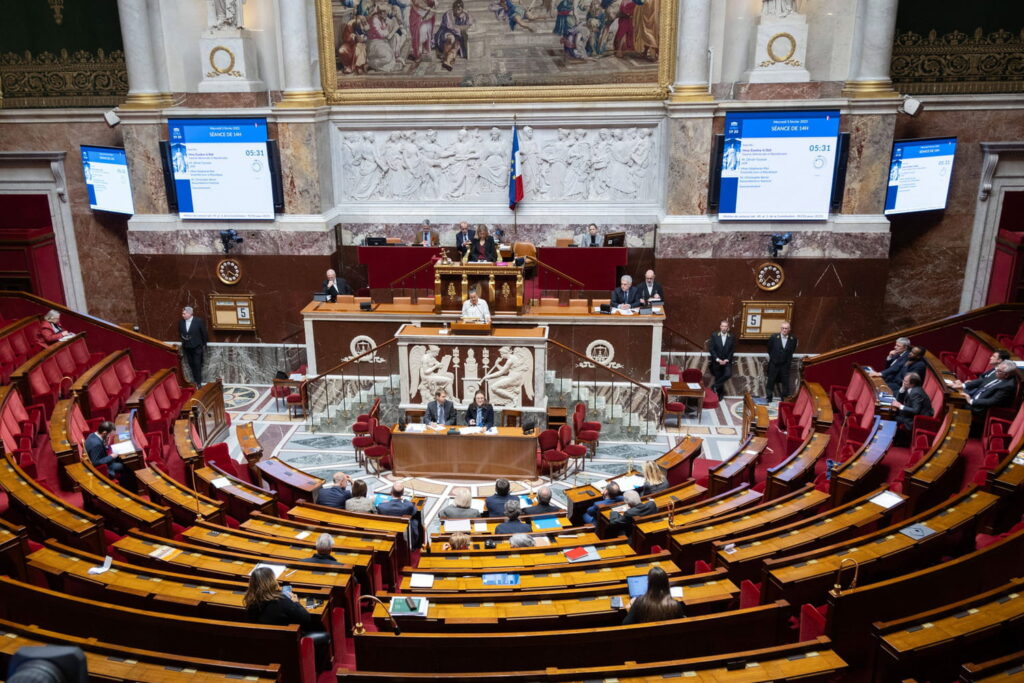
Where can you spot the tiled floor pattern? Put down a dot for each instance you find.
(323, 454)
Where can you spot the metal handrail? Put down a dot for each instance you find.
(591, 360)
(339, 366)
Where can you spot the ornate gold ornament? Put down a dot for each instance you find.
(57, 7)
(958, 63)
(63, 79)
(792, 47)
(229, 70)
(378, 93)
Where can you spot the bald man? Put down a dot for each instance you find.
(651, 292)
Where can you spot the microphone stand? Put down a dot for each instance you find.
(192, 468)
(358, 629)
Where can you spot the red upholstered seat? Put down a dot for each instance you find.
(218, 454)
(575, 451)
(554, 463)
(750, 594)
(362, 442)
(812, 622)
(279, 392)
(1015, 343)
(671, 408)
(379, 454)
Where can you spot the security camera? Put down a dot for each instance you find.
(777, 241)
(229, 238)
(111, 118)
(910, 106)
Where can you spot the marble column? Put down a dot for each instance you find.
(873, 56)
(692, 52)
(298, 88)
(144, 90)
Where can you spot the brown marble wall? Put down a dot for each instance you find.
(283, 285)
(300, 171)
(101, 237)
(689, 155)
(836, 301)
(142, 145)
(867, 170)
(929, 250)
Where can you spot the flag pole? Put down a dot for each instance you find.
(515, 211)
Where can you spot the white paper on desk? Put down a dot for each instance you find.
(480, 527)
(675, 591)
(295, 377)
(164, 552)
(625, 311)
(437, 427)
(492, 430)
(693, 386)
(656, 310)
(416, 428)
(452, 525)
(443, 330)
(471, 430)
(633, 481)
(597, 309)
(278, 569)
(887, 499)
(421, 581)
(599, 484)
(1018, 460)
(102, 568)
(122, 448)
(220, 482)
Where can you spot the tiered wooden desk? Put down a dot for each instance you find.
(739, 468)
(655, 530)
(242, 498)
(509, 453)
(292, 484)
(121, 508)
(184, 503)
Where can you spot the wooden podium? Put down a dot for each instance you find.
(466, 327)
(500, 286)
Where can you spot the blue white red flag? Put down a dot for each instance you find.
(515, 173)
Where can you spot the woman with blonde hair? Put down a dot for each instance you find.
(654, 478)
(457, 541)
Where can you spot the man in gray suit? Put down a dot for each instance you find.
(590, 238)
(441, 410)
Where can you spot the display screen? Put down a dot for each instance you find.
(778, 165)
(221, 168)
(919, 175)
(106, 179)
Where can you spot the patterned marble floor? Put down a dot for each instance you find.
(323, 454)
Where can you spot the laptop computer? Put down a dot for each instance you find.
(637, 586)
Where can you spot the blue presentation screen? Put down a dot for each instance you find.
(221, 168)
(919, 175)
(778, 165)
(106, 179)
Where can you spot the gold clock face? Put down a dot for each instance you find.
(769, 276)
(229, 271)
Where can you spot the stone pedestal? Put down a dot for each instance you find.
(781, 54)
(229, 62)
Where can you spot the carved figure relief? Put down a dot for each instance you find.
(607, 164)
(511, 375)
(428, 372)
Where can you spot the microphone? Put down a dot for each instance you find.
(358, 629)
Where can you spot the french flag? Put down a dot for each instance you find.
(515, 173)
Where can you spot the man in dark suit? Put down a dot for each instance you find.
(494, 505)
(994, 392)
(192, 331)
(621, 523)
(899, 352)
(483, 248)
(721, 348)
(625, 296)
(335, 496)
(480, 413)
(96, 448)
(995, 359)
(543, 506)
(512, 525)
(396, 506)
(780, 356)
(911, 400)
(894, 374)
(334, 285)
(464, 237)
(441, 410)
(324, 550)
(612, 496)
(650, 290)
(426, 236)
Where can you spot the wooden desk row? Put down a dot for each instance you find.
(519, 557)
(796, 470)
(937, 475)
(863, 471)
(738, 468)
(121, 508)
(809, 662)
(655, 529)
(560, 539)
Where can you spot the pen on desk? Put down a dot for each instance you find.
(288, 573)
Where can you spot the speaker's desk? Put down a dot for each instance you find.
(508, 453)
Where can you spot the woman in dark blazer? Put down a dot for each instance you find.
(480, 407)
(483, 247)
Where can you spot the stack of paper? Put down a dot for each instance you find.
(399, 607)
(453, 525)
(421, 581)
(587, 553)
(633, 481)
(471, 430)
(122, 448)
(278, 569)
(416, 428)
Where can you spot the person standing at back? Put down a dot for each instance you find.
(721, 349)
(192, 331)
(781, 347)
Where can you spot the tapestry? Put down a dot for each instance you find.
(497, 43)
(61, 53)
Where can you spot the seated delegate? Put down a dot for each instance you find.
(657, 604)
(49, 331)
(334, 285)
(494, 505)
(625, 296)
(480, 413)
(512, 524)
(460, 507)
(612, 496)
(266, 603)
(590, 238)
(482, 248)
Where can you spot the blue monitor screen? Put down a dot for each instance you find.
(106, 179)
(919, 175)
(221, 168)
(778, 165)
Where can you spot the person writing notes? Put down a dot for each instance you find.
(480, 413)
(475, 307)
(651, 292)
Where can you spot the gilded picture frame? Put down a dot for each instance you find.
(382, 94)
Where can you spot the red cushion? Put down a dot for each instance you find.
(675, 407)
(587, 435)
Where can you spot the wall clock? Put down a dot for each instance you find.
(229, 271)
(769, 276)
